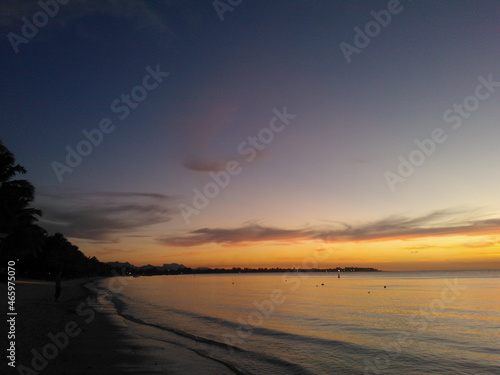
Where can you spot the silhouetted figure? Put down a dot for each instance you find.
(58, 286)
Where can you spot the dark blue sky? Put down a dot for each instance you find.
(331, 164)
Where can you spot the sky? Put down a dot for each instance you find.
(260, 133)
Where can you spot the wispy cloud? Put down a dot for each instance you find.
(101, 216)
(251, 232)
(421, 247)
(438, 223)
(481, 244)
(140, 14)
(198, 164)
(216, 112)
(95, 194)
(360, 160)
(202, 165)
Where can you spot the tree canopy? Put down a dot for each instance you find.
(21, 238)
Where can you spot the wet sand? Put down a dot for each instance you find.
(92, 339)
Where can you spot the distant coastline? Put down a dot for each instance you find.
(127, 269)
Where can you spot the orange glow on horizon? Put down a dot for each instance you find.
(445, 252)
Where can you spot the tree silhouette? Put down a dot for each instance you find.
(19, 233)
(36, 253)
(61, 255)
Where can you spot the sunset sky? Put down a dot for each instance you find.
(312, 146)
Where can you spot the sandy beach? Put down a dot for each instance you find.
(74, 336)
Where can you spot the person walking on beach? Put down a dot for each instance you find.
(58, 286)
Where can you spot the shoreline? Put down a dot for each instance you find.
(78, 335)
(38, 315)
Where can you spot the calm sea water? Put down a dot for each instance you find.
(316, 323)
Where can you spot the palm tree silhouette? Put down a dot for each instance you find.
(19, 234)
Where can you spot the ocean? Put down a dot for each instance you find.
(316, 323)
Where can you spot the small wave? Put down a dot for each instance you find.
(289, 367)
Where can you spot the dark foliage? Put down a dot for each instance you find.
(37, 254)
